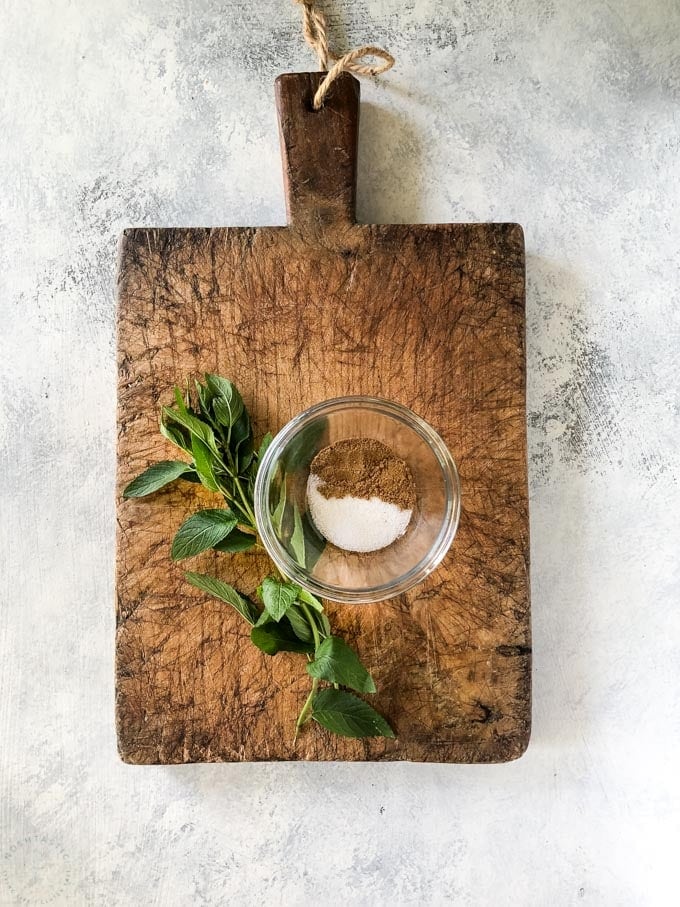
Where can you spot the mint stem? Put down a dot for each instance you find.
(305, 714)
(312, 624)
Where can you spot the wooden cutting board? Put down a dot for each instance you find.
(431, 316)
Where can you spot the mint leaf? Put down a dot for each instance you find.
(297, 539)
(314, 543)
(179, 399)
(203, 460)
(273, 637)
(201, 531)
(245, 458)
(347, 715)
(280, 510)
(310, 600)
(318, 612)
(278, 596)
(264, 444)
(227, 403)
(155, 477)
(241, 431)
(299, 623)
(236, 541)
(303, 447)
(204, 399)
(177, 436)
(264, 618)
(336, 662)
(192, 424)
(323, 622)
(225, 593)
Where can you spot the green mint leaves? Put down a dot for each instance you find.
(204, 463)
(336, 662)
(193, 428)
(226, 401)
(236, 542)
(272, 637)
(293, 620)
(201, 531)
(216, 432)
(212, 427)
(225, 593)
(348, 715)
(278, 596)
(156, 477)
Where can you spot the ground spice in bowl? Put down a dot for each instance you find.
(360, 494)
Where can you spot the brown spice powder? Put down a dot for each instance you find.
(364, 468)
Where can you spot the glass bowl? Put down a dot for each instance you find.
(289, 535)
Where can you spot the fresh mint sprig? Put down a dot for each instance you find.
(215, 431)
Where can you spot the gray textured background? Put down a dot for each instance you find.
(562, 116)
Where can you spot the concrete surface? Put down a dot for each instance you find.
(562, 116)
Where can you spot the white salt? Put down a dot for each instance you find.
(355, 524)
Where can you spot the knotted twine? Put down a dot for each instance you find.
(315, 32)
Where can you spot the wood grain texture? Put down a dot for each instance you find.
(431, 316)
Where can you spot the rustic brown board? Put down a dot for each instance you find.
(431, 316)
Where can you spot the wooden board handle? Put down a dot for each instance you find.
(319, 149)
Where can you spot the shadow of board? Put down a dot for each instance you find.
(562, 360)
(390, 168)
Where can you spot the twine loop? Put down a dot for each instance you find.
(316, 35)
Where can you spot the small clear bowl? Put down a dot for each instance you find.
(289, 535)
